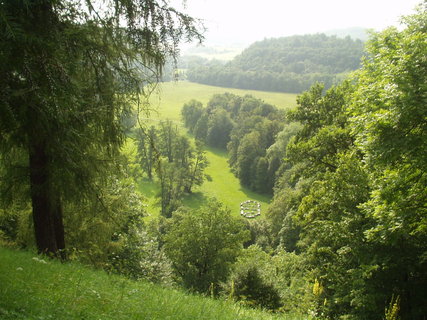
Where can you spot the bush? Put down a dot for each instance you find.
(277, 282)
(249, 287)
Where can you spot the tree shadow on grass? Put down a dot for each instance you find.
(195, 200)
(148, 188)
(256, 196)
(217, 151)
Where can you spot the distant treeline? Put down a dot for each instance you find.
(290, 64)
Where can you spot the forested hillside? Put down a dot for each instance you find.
(290, 64)
(350, 189)
(344, 237)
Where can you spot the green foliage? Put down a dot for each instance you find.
(70, 73)
(250, 288)
(290, 64)
(391, 313)
(178, 165)
(388, 116)
(202, 244)
(191, 113)
(138, 256)
(351, 196)
(92, 226)
(147, 153)
(318, 196)
(314, 150)
(247, 127)
(261, 235)
(276, 282)
(219, 129)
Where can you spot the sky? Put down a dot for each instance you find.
(246, 21)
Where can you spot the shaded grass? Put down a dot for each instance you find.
(32, 288)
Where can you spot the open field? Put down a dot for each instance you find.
(171, 96)
(224, 186)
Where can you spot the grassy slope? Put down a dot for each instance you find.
(167, 104)
(31, 288)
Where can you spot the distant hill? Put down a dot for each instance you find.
(289, 64)
(353, 32)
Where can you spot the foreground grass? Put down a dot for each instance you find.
(33, 288)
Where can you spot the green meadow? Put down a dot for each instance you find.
(166, 103)
(169, 97)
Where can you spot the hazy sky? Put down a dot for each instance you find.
(251, 20)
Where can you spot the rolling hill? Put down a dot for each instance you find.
(288, 64)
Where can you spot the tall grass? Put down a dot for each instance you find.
(36, 288)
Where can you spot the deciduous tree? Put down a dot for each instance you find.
(203, 244)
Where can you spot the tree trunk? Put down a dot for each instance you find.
(58, 223)
(47, 210)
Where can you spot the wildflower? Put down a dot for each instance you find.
(39, 260)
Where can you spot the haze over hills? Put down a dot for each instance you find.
(287, 64)
(352, 32)
(240, 23)
(225, 49)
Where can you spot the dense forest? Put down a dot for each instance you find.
(252, 131)
(290, 64)
(345, 236)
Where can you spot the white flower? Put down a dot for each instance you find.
(39, 260)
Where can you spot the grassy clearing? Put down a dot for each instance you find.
(171, 96)
(33, 288)
(167, 103)
(223, 185)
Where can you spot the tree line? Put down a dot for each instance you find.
(290, 64)
(70, 71)
(246, 127)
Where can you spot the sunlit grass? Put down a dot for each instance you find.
(36, 288)
(225, 186)
(168, 100)
(222, 185)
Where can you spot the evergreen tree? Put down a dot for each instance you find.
(70, 69)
